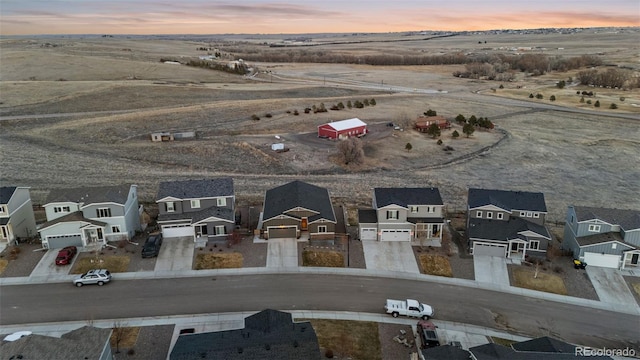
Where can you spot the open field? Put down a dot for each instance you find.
(110, 94)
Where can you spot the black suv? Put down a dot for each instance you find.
(428, 334)
(151, 247)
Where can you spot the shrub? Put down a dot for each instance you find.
(539, 96)
(552, 98)
(530, 96)
(255, 117)
(328, 354)
(295, 112)
(613, 106)
(439, 142)
(455, 134)
(307, 110)
(268, 115)
(501, 86)
(589, 102)
(597, 103)
(621, 98)
(131, 352)
(366, 102)
(582, 99)
(288, 111)
(372, 102)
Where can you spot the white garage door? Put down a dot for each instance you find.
(368, 234)
(177, 230)
(395, 235)
(489, 249)
(602, 260)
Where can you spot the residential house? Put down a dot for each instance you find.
(403, 214)
(267, 335)
(543, 348)
(90, 216)
(16, 214)
(507, 223)
(87, 342)
(296, 208)
(602, 236)
(200, 209)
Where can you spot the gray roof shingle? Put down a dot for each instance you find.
(196, 189)
(367, 216)
(86, 342)
(531, 350)
(500, 230)
(6, 192)
(627, 219)
(407, 196)
(223, 213)
(74, 216)
(90, 195)
(298, 194)
(508, 200)
(269, 334)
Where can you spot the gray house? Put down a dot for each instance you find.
(603, 237)
(507, 223)
(267, 335)
(296, 208)
(90, 216)
(403, 214)
(200, 209)
(16, 214)
(87, 342)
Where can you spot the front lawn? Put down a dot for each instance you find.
(113, 263)
(544, 282)
(435, 265)
(348, 339)
(322, 258)
(218, 261)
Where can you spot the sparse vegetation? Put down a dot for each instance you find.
(351, 151)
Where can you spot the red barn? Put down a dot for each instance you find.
(342, 129)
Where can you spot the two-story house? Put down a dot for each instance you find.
(298, 208)
(403, 214)
(602, 236)
(200, 209)
(16, 214)
(90, 216)
(507, 223)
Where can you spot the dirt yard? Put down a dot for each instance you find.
(78, 112)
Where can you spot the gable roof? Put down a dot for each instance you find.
(407, 196)
(346, 124)
(223, 213)
(86, 342)
(544, 344)
(71, 217)
(298, 194)
(503, 230)
(602, 238)
(196, 189)
(506, 199)
(269, 334)
(6, 192)
(536, 349)
(91, 195)
(627, 219)
(445, 352)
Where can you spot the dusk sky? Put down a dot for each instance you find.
(24, 17)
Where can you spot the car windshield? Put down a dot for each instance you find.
(421, 308)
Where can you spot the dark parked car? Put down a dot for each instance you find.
(65, 255)
(151, 247)
(428, 334)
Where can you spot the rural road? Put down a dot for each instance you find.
(159, 297)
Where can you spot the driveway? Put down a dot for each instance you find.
(390, 256)
(47, 265)
(282, 253)
(176, 254)
(610, 286)
(491, 269)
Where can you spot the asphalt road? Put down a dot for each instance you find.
(22, 304)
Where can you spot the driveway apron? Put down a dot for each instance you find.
(282, 253)
(491, 269)
(176, 254)
(47, 265)
(610, 285)
(390, 256)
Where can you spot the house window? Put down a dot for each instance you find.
(221, 202)
(536, 215)
(115, 228)
(195, 204)
(169, 207)
(414, 209)
(103, 212)
(479, 214)
(594, 228)
(5, 233)
(393, 214)
(489, 215)
(219, 230)
(614, 246)
(499, 216)
(523, 214)
(3, 209)
(534, 244)
(322, 228)
(61, 209)
(529, 214)
(431, 209)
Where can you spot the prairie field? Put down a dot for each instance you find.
(79, 111)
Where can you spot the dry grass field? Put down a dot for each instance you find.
(79, 111)
(435, 265)
(217, 261)
(544, 282)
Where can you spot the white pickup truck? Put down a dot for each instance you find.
(408, 308)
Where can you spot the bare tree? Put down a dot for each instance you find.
(119, 332)
(351, 151)
(404, 121)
